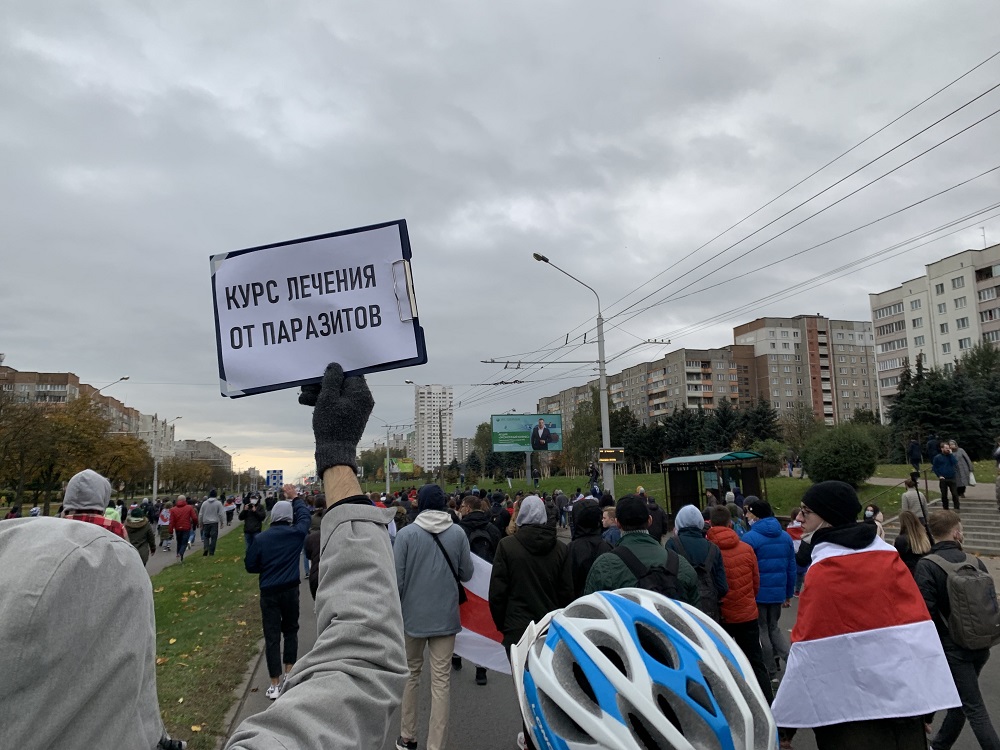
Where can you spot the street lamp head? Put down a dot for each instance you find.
(540, 258)
(408, 382)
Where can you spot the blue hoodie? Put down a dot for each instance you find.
(775, 560)
(275, 553)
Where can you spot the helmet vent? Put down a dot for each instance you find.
(615, 658)
(675, 621)
(643, 734)
(583, 683)
(560, 722)
(668, 711)
(656, 645)
(585, 612)
(697, 692)
(729, 703)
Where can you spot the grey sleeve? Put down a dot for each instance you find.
(343, 692)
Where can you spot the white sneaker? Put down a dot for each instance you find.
(273, 691)
(521, 744)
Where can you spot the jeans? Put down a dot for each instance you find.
(211, 531)
(182, 542)
(191, 537)
(773, 642)
(249, 537)
(305, 561)
(441, 648)
(945, 485)
(279, 613)
(965, 669)
(747, 637)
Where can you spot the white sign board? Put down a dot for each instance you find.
(275, 477)
(285, 311)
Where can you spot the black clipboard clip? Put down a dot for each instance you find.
(402, 284)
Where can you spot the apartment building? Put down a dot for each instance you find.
(203, 450)
(463, 447)
(829, 365)
(937, 316)
(433, 417)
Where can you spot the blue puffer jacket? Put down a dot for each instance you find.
(775, 559)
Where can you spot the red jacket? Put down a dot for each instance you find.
(740, 562)
(183, 517)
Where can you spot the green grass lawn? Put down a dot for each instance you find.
(207, 630)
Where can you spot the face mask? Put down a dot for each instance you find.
(869, 514)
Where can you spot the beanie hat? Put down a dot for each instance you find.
(532, 511)
(431, 497)
(213, 493)
(87, 490)
(587, 516)
(835, 502)
(282, 511)
(137, 513)
(760, 508)
(632, 512)
(689, 516)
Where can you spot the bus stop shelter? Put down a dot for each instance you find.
(685, 478)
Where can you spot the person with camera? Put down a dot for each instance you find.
(252, 515)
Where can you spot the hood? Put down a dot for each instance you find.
(61, 567)
(477, 519)
(769, 527)
(136, 523)
(434, 521)
(850, 535)
(587, 516)
(181, 503)
(538, 539)
(723, 537)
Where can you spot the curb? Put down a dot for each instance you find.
(242, 690)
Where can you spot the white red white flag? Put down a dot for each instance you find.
(864, 645)
(480, 642)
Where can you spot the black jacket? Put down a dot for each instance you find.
(530, 579)
(253, 520)
(587, 543)
(500, 517)
(658, 526)
(933, 583)
(907, 555)
(477, 520)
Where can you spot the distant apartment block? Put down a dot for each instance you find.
(433, 417)
(937, 316)
(463, 447)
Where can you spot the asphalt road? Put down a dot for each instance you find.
(487, 717)
(162, 558)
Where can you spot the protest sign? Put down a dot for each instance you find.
(284, 311)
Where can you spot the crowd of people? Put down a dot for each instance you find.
(641, 631)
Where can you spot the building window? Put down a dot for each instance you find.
(918, 340)
(914, 304)
(885, 312)
(840, 335)
(958, 282)
(784, 334)
(985, 295)
(991, 337)
(959, 303)
(946, 348)
(944, 328)
(773, 345)
(962, 323)
(939, 289)
(964, 344)
(917, 323)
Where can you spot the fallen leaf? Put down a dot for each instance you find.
(242, 622)
(157, 591)
(162, 660)
(196, 727)
(180, 700)
(172, 641)
(185, 656)
(183, 599)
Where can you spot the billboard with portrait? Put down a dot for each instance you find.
(520, 433)
(400, 465)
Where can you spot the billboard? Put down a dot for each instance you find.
(400, 465)
(521, 433)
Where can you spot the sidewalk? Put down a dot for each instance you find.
(162, 558)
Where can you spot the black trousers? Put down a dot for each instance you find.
(747, 637)
(947, 485)
(877, 734)
(965, 668)
(279, 611)
(211, 537)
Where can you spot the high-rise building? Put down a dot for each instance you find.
(829, 365)
(433, 417)
(463, 447)
(937, 316)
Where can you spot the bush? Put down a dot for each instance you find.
(773, 453)
(846, 453)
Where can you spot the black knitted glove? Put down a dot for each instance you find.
(342, 407)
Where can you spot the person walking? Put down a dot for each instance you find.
(274, 557)
(658, 526)
(912, 542)
(690, 543)
(483, 539)
(530, 577)
(610, 571)
(739, 605)
(587, 544)
(230, 507)
(914, 501)
(211, 515)
(141, 534)
(913, 455)
(945, 467)
(966, 663)
(86, 498)
(432, 560)
(183, 521)
(776, 563)
(163, 525)
(252, 514)
(964, 476)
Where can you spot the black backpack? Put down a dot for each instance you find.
(659, 578)
(708, 601)
(481, 544)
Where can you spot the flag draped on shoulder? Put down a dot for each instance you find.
(479, 641)
(863, 646)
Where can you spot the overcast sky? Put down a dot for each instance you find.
(138, 139)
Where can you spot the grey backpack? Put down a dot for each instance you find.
(974, 622)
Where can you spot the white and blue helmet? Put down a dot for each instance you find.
(634, 669)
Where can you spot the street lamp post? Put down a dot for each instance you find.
(608, 469)
(113, 382)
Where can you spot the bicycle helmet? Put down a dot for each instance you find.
(634, 669)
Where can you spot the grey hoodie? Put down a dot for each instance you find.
(65, 587)
(427, 589)
(212, 512)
